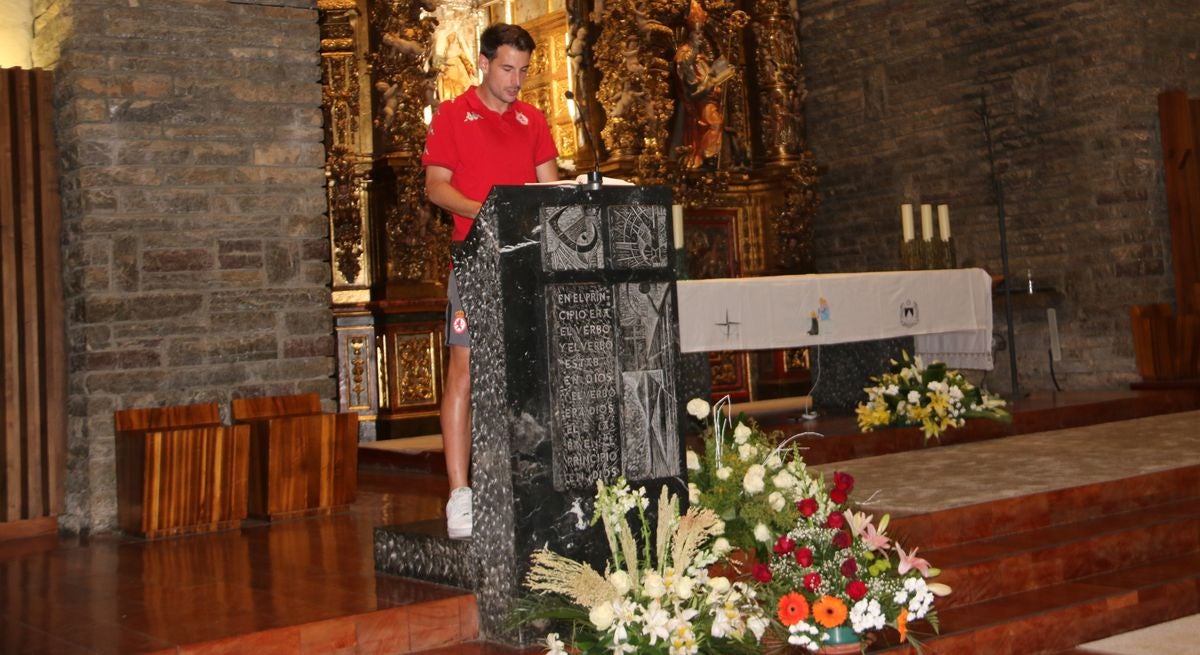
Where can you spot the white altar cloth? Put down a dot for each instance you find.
(949, 312)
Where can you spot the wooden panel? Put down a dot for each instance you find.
(32, 416)
(1181, 173)
(301, 465)
(175, 478)
(159, 418)
(246, 409)
(1165, 343)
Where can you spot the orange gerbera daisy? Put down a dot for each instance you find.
(793, 608)
(829, 611)
(902, 624)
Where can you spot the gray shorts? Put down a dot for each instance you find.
(457, 333)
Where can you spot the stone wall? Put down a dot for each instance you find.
(1071, 87)
(195, 241)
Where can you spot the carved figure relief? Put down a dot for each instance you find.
(702, 72)
(639, 236)
(571, 238)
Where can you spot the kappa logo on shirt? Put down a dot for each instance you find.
(472, 116)
(522, 119)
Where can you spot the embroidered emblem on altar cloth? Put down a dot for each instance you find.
(910, 314)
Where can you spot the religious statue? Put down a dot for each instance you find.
(455, 71)
(702, 72)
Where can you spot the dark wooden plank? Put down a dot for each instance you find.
(158, 418)
(10, 307)
(1181, 172)
(25, 158)
(248, 409)
(54, 357)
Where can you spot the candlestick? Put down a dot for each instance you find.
(944, 222)
(906, 221)
(927, 222)
(677, 225)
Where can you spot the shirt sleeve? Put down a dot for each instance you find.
(544, 150)
(440, 146)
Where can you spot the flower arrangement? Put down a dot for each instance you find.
(826, 572)
(745, 478)
(836, 577)
(660, 600)
(933, 398)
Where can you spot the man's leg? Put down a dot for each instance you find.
(456, 417)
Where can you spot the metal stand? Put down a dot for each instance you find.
(999, 191)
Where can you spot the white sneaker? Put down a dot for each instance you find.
(458, 514)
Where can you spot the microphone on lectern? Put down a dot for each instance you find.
(594, 178)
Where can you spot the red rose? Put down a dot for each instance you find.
(783, 545)
(762, 573)
(836, 521)
(838, 495)
(850, 568)
(856, 589)
(841, 540)
(807, 507)
(843, 481)
(812, 581)
(804, 557)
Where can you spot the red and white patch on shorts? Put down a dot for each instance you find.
(459, 322)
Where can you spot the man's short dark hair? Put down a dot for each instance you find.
(504, 34)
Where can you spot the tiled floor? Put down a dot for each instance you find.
(113, 594)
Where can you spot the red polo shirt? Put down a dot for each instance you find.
(483, 148)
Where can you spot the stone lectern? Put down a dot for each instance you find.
(570, 294)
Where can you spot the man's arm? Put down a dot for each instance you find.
(441, 193)
(547, 171)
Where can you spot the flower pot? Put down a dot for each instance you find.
(841, 641)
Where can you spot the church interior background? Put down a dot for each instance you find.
(241, 197)
(740, 168)
(242, 216)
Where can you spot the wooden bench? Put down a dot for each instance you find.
(302, 461)
(179, 471)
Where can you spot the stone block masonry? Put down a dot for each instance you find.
(893, 94)
(195, 241)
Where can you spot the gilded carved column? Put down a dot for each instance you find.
(780, 82)
(415, 239)
(348, 149)
(348, 157)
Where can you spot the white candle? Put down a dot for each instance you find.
(927, 222)
(906, 222)
(944, 222)
(677, 225)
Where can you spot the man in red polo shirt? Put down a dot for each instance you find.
(482, 138)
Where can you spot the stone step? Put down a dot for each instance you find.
(1040, 412)
(1019, 514)
(1058, 617)
(482, 648)
(417, 616)
(1001, 566)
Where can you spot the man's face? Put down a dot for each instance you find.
(504, 75)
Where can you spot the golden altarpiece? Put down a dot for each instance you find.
(705, 96)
